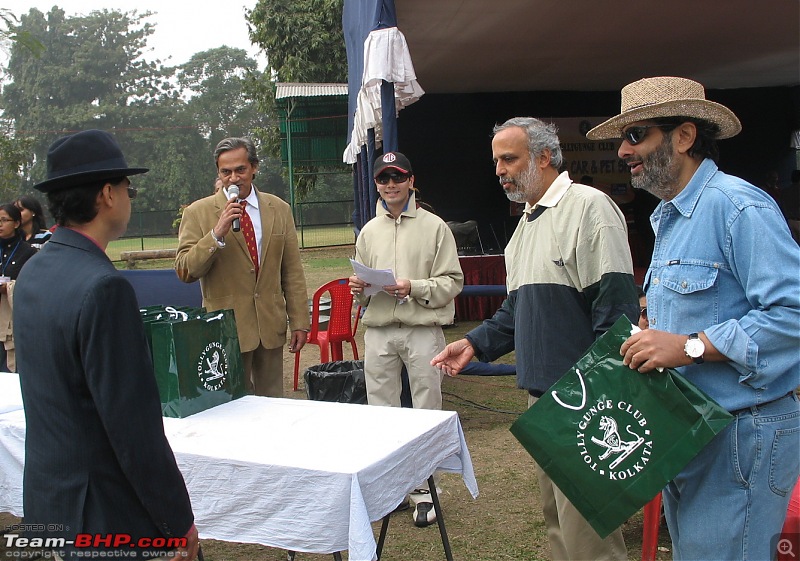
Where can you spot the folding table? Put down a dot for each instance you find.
(304, 476)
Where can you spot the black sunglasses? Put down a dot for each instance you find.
(634, 135)
(132, 192)
(643, 311)
(383, 179)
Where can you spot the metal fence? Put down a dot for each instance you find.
(327, 223)
(319, 224)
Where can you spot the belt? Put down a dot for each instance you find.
(754, 409)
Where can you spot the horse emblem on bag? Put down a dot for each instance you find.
(607, 451)
(212, 366)
(213, 370)
(613, 443)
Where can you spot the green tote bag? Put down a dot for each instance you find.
(197, 361)
(611, 438)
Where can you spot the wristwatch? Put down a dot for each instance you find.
(219, 241)
(695, 348)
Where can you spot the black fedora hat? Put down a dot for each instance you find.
(84, 157)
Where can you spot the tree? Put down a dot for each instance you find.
(304, 42)
(303, 39)
(14, 152)
(15, 155)
(92, 75)
(214, 81)
(10, 33)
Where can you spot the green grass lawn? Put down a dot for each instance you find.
(504, 523)
(308, 237)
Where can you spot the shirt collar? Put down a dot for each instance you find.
(554, 193)
(686, 201)
(252, 197)
(409, 210)
(88, 237)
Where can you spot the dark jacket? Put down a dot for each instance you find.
(96, 457)
(15, 252)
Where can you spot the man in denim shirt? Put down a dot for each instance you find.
(723, 300)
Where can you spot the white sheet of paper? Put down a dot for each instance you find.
(377, 278)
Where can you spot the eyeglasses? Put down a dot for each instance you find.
(132, 192)
(634, 135)
(6, 220)
(383, 179)
(643, 311)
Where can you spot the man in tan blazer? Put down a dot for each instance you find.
(263, 290)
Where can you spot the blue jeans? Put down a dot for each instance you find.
(730, 501)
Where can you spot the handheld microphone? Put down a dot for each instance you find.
(233, 193)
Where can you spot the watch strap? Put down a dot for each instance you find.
(219, 241)
(696, 359)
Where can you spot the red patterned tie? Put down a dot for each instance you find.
(249, 236)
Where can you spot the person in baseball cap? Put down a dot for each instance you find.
(723, 303)
(404, 318)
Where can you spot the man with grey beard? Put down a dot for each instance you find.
(569, 278)
(723, 300)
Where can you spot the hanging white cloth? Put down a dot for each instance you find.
(386, 57)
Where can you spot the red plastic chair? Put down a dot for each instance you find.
(789, 542)
(652, 521)
(340, 329)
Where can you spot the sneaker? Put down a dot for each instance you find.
(424, 514)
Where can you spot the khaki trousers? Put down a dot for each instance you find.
(571, 537)
(387, 349)
(263, 371)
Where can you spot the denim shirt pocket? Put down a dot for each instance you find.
(696, 302)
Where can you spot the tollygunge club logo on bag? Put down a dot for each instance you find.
(612, 437)
(212, 367)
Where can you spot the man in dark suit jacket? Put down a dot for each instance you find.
(266, 291)
(96, 457)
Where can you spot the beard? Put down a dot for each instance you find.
(525, 187)
(659, 174)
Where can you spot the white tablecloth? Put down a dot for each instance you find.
(10, 395)
(298, 475)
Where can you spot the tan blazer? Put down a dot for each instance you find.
(227, 276)
(7, 325)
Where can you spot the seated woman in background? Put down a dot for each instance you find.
(14, 252)
(33, 223)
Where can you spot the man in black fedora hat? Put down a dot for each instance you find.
(723, 303)
(97, 461)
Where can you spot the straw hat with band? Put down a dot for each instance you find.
(666, 96)
(84, 157)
